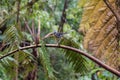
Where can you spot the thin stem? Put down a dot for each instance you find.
(48, 35)
(29, 29)
(33, 27)
(78, 51)
(38, 33)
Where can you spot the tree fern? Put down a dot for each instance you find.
(45, 61)
(101, 32)
(79, 63)
(11, 35)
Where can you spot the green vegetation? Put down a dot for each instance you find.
(26, 22)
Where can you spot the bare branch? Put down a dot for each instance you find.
(38, 33)
(78, 51)
(48, 35)
(33, 25)
(27, 26)
(29, 29)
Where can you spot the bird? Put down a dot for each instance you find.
(57, 35)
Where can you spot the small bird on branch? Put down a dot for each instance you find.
(57, 35)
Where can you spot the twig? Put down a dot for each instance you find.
(29, 29)
(33, 25)
(27, 26)
(78, 51)
(38, 33)
(48, 35)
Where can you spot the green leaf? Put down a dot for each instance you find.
(95, 70)
(45, 60)
(11, 35)
(78, 61)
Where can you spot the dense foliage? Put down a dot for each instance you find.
(20, 24)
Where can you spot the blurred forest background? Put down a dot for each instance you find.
(17, 16)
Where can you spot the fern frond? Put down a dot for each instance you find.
(7, 64)
(101, 37)
(45, 61)
(12, 38)
(11, 35)
(78, 62)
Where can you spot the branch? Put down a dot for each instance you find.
(48, 35)
(39, 27)
(37, 39)
(116, 14)
(112, 70)
(29, 29)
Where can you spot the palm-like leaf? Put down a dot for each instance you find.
(79, 63)
(101, 33)
(13, 37)
(12, 34)
(7, 65)
(45, 61)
